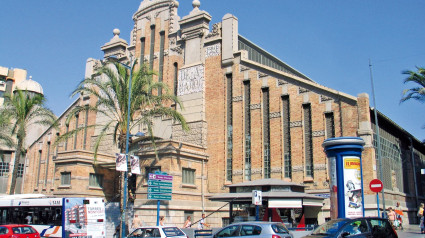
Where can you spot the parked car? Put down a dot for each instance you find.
(355, 227)
(158, 231)
(257, 229)
(18, 231)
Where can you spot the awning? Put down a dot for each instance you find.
(312, 202)
(285, 203)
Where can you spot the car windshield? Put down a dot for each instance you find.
(329, 228)
(172, 231)
(280, 229)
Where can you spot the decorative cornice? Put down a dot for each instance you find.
(243, 68)
(276, 170)
(256, 171)
(298, 168)
(302, 90)
(215, 31)
(281, 82)
(295, 124)
(262, 75)
(324, 98)
(237, 172)
(255, 106)
(237, 99)
(274, 115)
(318, 133)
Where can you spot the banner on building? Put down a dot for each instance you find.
(353, 187)
(121, 162)
(134, 164)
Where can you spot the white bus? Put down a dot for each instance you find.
(56, 217)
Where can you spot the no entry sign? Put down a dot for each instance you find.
(376, 185)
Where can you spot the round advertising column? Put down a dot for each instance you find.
(346, 176)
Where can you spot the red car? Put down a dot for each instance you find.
(18, 231)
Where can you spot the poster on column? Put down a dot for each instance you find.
(352, 187)
(333, 188)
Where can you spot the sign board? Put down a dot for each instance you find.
(376, 185)
(160, 177)
(160, 183)
(352, 187)
(159, 190)
(257, 198)
(159, 196)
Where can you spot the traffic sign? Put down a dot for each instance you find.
(159, 190)
(160, 183)
(376, 185)
(160, 177)
(159, 196)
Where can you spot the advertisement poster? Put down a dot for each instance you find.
(333, 188)
(121, 162)
(84, 218)
(352, 187)
(134, 164)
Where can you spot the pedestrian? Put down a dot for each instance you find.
(28, 218)
(161, 221)
(117, 231)
(136, 223)
(187, 223)
(391, 216)
(421, 217)
(202, 224)
(399, 215)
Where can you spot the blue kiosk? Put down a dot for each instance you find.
(346, 176)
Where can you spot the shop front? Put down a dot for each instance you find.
(281, 202)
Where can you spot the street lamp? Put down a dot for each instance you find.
(125, 188)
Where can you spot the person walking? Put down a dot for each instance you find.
(202, 224)
(136, 223)
(187, 223)
(391, 216)
(162, 221)
(421, 217)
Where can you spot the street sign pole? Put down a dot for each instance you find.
(376, 186)
(158, 204)
(377, 201)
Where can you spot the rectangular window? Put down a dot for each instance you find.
(247, 103)
(266, 131)
(47, 163)
(39, 167)
(86, 119)
(66, 140)
(308, 135)
(286, 137)
(229, 113)
(66, 178)
(76, 128)
(188, 176)
(96, 180)
(142, 50)
(330, 126)
(161, 59)
(152, 48)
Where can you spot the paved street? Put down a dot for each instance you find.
(410, 231)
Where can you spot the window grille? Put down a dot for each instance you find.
(286, 137)
(85, 127)
(47, 163)
(229, 160)
(161, 60)
(96, 180)
(188, 176)
(247, 102)
(330, 125)
(308, 140)
(142, 50)
(66, 178)
(39, 168)
(266, 131)
(76, 127)
(4, 169)
(152, 47)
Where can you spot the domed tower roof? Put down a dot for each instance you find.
(30, 86)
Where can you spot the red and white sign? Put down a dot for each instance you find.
(376, 185)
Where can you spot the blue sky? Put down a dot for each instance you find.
(329, 41)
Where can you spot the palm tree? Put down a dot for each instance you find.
(24, 110)
(111, 85)
(6, 139)
(417, 93)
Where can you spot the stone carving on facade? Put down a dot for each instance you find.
(213, 50)
(191, 80)
(319, 167)
(274, 115)
(281, 82)
(324, 98)
(166, 52)
(237, 99)
(254, 106)
(215, 31)
(262, 75)
(177, 49)
(276, 170)
(256, 171)
(293, 124)
(302, 90)
(297, 168)
(243, 68)
(325, 183)
(318, 133)
(156, 55)
(237, 172)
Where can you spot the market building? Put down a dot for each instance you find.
(252, 117)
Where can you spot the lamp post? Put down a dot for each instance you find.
(125, 187)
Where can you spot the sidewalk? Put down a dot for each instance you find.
(411, 227)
